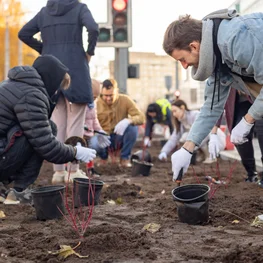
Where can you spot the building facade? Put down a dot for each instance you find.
(151, 85)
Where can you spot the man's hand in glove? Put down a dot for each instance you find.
(213, 146)
(180, 159)
(122, 126)
(240, 132)
(84, 154)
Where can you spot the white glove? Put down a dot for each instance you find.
(213, 146)
(122, 126)
(162, 156)
(180, 159)
(84, 154)
(103, 140)
(147, 142)
(240, 132)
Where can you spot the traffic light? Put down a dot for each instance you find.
(117, 31)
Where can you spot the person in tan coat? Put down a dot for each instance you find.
(119, 116)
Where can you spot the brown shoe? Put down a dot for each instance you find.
(125, 163)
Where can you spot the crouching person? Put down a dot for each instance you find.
(27, 136)
(119, 116)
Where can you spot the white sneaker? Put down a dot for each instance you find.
(14, 197)
(78, 174)
(58, 177)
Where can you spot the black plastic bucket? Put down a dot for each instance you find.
(140, 154)
(48, 200)
(192, 203)
(85, 190)
(141, 168)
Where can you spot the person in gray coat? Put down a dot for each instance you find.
(27, 136)
(61, 24)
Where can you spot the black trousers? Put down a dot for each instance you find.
(246, 150)
(20, 164)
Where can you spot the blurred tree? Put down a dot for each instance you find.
(11, 20)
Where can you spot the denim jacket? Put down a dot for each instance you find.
(240, 41)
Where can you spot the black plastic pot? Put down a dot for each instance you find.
(48, 200)
(86, 191)
(141, 168)
(192, 203)
(140, 154)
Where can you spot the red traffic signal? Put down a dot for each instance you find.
(117, 32)
(119, 5)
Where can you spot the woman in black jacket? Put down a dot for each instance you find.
(27, 137)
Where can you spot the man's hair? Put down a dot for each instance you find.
(110, 83)
(181, 33)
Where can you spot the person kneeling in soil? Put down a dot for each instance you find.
(27, 135)
(183, 119)
(119, 116)
(157, 112)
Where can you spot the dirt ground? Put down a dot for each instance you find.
(116, 234)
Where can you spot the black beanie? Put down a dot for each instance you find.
(52, 72)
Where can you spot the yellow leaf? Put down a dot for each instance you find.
(66, 251)
(258, 221)
(119, 201)
(2, 214)
(152, 227)
(235, 221)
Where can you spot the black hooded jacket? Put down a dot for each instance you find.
(25, 101)
(61, 24)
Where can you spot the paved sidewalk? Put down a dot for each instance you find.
(234, 155)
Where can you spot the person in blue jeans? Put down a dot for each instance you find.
(123, 143)
(119, 117)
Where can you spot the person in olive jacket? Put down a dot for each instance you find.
(27, 136)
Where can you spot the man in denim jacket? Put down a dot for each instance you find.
(240, 43)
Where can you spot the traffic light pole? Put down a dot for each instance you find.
(121, 68)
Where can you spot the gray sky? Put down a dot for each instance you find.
(150, 19)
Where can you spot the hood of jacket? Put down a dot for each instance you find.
(26, 74)
(52, 72)
(60, 7)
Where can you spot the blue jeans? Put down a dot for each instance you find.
(118, 142)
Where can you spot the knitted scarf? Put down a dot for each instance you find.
(207, 58)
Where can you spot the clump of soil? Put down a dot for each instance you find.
(124, 191)
(111, 169)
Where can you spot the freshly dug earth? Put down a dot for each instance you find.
(116, 234)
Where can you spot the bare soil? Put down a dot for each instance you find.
(116, 234)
